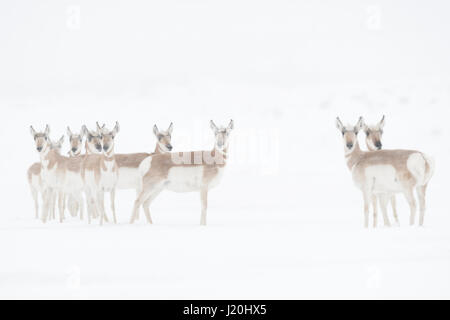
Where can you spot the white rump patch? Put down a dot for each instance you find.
(417, 166)
(145, 166)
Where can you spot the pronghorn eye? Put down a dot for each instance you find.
(367, 133)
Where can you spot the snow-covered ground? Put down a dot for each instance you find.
(286, 221)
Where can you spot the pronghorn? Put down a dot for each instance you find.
(386, 172)
(196, 171)
(373, 143)
(60, 174)
(100, 172)
(93, 145)
(129, 174)
(75, 142)
(35, 177)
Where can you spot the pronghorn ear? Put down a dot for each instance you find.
(213, 126)
(116, 128)
(99, 129)
(47, 130)
(170, 129)
(33, 132)
(61, 141)
(359, 125)
(381, 123)
(230, 125)
(339, 125)
(155, 130)
(69, 132)
(82, 132)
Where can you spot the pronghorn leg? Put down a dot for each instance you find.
(34, 193)
(383, 204)
(409, 195)
(366, 209)
(204, 200)
(113, 206)
(421, 193)
(79, 201)
(101, 207)
(64, 205)
(385, 199)
(143, 196)
(148, 202)
(394, 209)
(138, 203)
(375, 210)
(53, 205)
(48, 195)
(61, 206)
(138, 192)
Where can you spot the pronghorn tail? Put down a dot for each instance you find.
(430, 165)
(421, 167)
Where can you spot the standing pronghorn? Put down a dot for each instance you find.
(373, 143)
(100, 172)
(60, 175)
(76, 142)
(129, 174)
(193, 171)
(35, 181)
(93, 145)
(386, 172)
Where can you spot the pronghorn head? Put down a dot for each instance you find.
(57, 146)
(76, 141)
(374, 134)
(222, 135)
(108, 136)
(41, 139)
(164, 138)
(350, 134)
(93, 140)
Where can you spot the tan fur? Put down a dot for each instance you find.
(34, 170)
(158, 176)
(130, 160)
(407, 172)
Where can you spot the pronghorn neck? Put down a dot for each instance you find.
(158, 149)
(88, 149)
(223, 153)
(73, 155)
(44, 154)
(353, 156)
(109, 156)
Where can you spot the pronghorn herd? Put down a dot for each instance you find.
(381, 174)
(101, 170)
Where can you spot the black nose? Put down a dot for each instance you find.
(99, 147)
(39, 149)
(74, 149)
(349, 145)
(169, 147)
(378, 145)
(105, 147)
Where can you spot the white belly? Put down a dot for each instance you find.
(73, 182)
(36, 182)
(184, 179)
(216, 180)
(129, 178)
(383, 179)
(51, 179)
